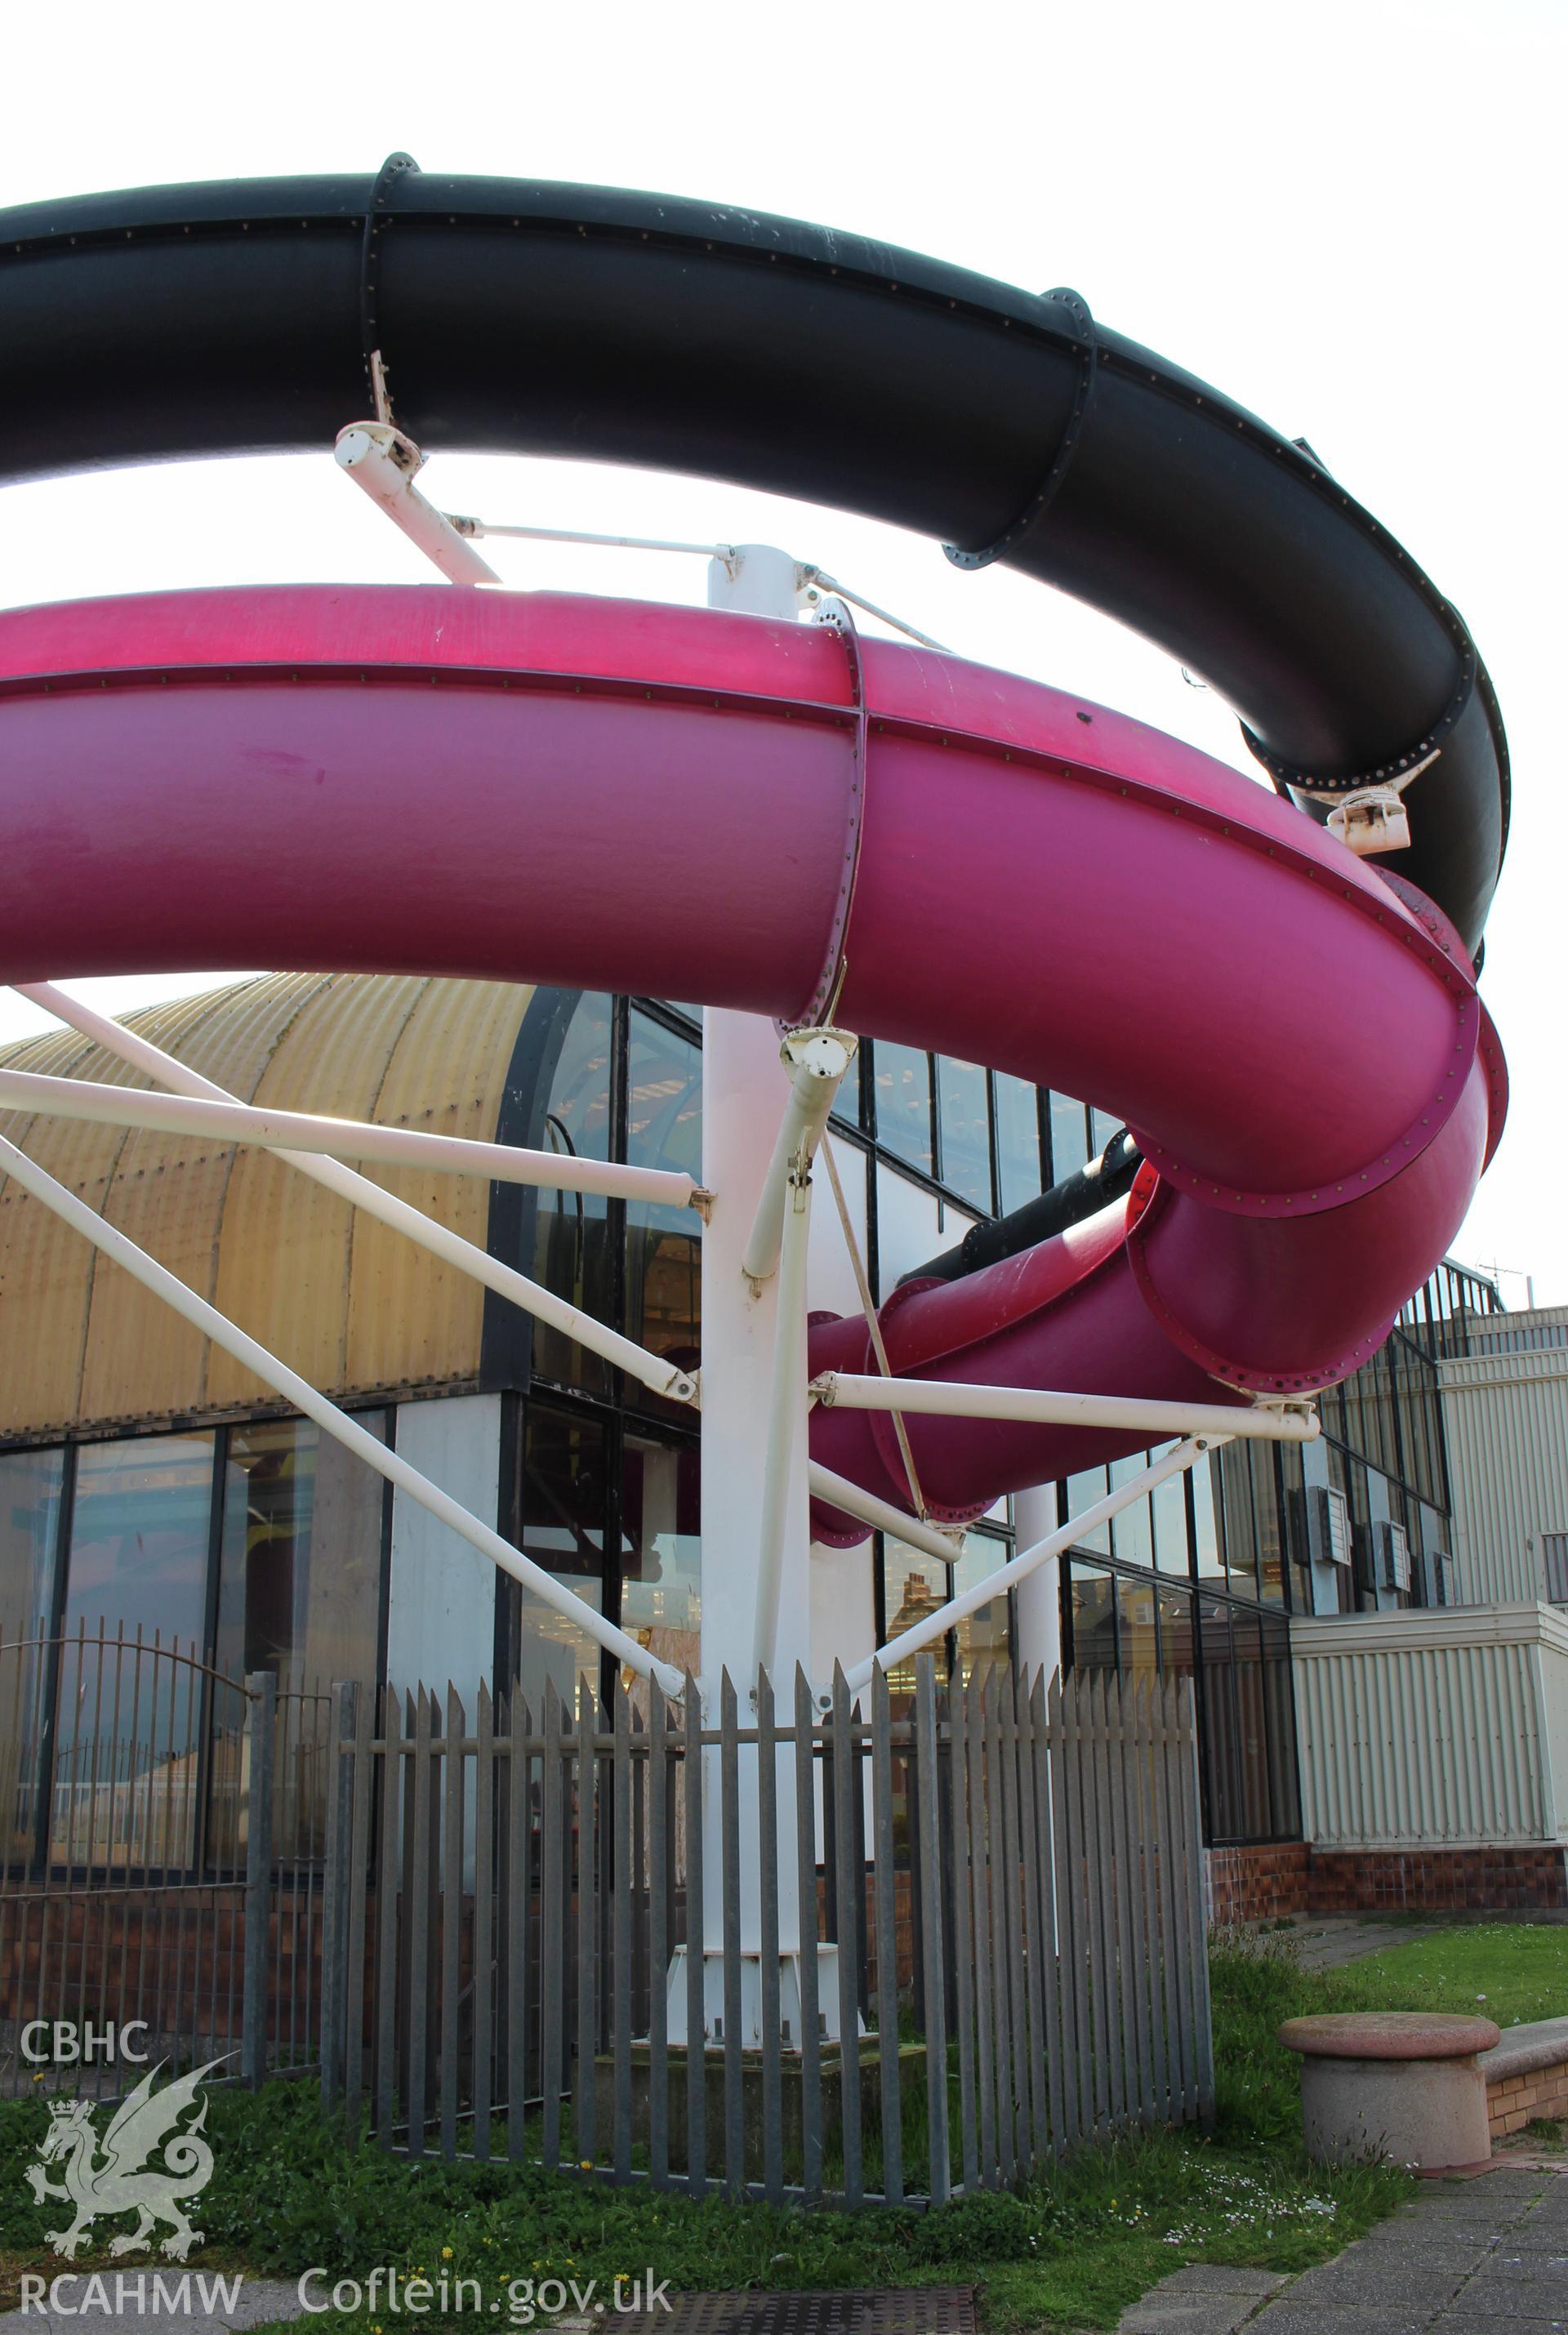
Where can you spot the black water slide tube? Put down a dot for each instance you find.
(584, 322)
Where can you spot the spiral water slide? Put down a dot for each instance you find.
(787, 819)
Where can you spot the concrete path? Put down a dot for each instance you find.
(1325, 1941)
(1481, 2257)
(126, 2311)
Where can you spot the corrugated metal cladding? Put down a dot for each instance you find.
(346, 1301)
(1506, 1418)
(1446, 1728)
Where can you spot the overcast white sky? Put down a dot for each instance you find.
(1349, 217)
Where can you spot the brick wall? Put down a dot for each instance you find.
(1289, 1877)
(1256, 1884)
(1518, 2100)
(1437, 1880)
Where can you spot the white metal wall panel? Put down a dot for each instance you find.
(911, 1224)
(1505, 1421)
(441, 1607)
(1449, 1729)
(830, 1274)
(1552, 1664)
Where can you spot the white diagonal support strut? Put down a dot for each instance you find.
(1291, 1421)
(838, 1492)
(305, 1398)
(650, 1370)
(347, 1138)
(938, 1624)
(379, 458)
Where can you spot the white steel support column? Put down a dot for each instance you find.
(746, 1090)
(1038, 1597)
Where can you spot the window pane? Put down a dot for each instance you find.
(298, 1594)
(562, 1527)
(1284, 1790)
(30, 1484)
(1091, 1598)
(1137, 1640)
(1293, 1524)
(664, 1129)
(904, 1103)
(847, 1102)
(29, 1534)
(1176, 1633)
(913, 1585)
(140, 1527)
(299, 1582)
(1221, 1757)
(1170, 1524)
(1252, 1727)
(662, 1549)
(1236, 1522)
(1068, 1137)
(1017, 1141)
(1082, 1491)
(965, 1130)
(984, 1636)
(139, 1533)
(1132, 1532)
(571, 1250)
(1267, 1541)
(1102, 1126)
(1205, 1526)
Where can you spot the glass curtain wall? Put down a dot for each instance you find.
(1198, 1581)
(32, 1486)
(261, 1547)
(604, 1475)
(147, 1571)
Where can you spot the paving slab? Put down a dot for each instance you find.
(1187, 2315)
(259, 2302)
(1220, 2278)
(1355, 2282)
(1481, 2257)
(1203, 2299)
(1420, 2252)
(1288, 2317)
(1501, 2301)
(1450, 2325)
(1328, 1942)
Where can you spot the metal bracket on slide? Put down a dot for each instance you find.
(375, 219)
(1373, 819)
(1085, 348)
(837, 617)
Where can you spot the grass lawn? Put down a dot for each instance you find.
(1069, 2251)
(1510, 1971)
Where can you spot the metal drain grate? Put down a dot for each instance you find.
(897, 2310)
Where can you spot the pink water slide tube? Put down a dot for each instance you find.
(746, 812)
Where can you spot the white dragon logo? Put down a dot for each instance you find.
(117, 2182)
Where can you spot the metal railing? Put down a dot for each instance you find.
(993, 1891)
(161, 1840)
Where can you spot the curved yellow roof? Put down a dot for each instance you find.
(351, 1304)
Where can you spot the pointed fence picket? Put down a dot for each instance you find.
(1000, 1905)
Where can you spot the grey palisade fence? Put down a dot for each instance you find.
(1002, 1911)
